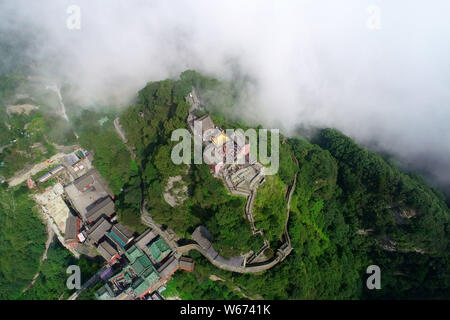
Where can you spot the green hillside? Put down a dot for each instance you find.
(350, 207)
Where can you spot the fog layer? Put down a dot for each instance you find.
(377, 70)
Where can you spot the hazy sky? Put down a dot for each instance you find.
(314, 63)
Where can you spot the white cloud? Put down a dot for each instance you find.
(315, 63)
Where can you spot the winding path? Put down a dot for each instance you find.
(288, 207)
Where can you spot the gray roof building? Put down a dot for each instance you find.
(206, 123)
(168, 267)
(103, 206)
(186, 263)
(86, 191)
(83, 183)
(92, 179)
(120, 235)
(71, 232)
(44, 177)
(107, 251)
(57, 169)
(144, 239)
(51, 173)
(98, 230)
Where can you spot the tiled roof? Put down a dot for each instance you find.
(120, 234)
(106, 250)
(98, 230)
(168, 268)
(141, 264)
(159, 249)
(133, 253)
(71, 231)
(103, 206)
(186, 263)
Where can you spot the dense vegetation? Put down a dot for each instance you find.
(28, 136)
(330, 256)
(22, 241)
(31, 137)
(403, 212)
(333, 200)
(51, 283)
(96, 133)
(160, 109)
(270, 208)
(201, 284)
(111, 157)
(187, 286)
(350, 207)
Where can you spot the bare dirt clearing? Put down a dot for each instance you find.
(22, 108)
(175, 192)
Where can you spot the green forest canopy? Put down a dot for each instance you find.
(22, 241)
(349, 205)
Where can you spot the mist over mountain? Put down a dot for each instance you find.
(306, 63)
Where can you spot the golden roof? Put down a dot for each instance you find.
(220, 139)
